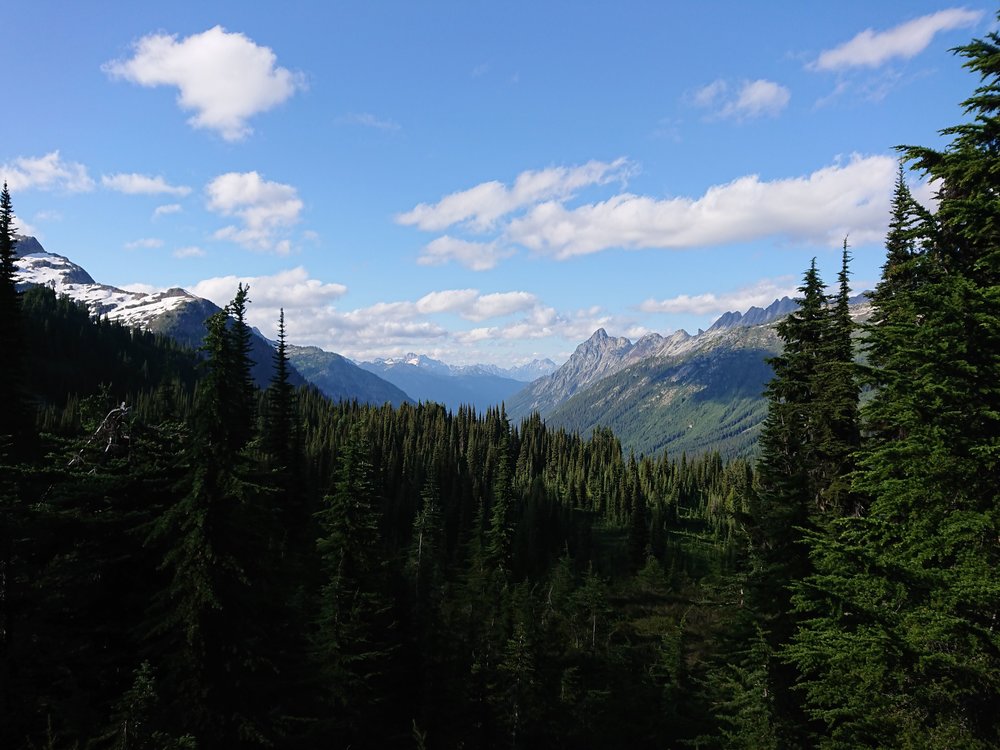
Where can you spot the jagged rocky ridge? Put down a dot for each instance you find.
(678, 392)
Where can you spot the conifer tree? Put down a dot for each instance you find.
(807, 447)
(901, 646)
(280, 417)
(354, 619)
(12, 415)
(208, 621)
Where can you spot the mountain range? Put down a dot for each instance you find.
(479, 386)
(679, 392)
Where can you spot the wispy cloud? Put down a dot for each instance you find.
(265, 209)
(48, 172)
(140, 184)
(368, 120)
(747, 101)
(871, 49)
(759, 294)
(165, 210)
(224, 78)
(192, 251)
(476, 256)
(147, 243)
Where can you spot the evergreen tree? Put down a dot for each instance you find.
(210, 626)
(241, 389)
(901, 647)
(807, 449)
(13, 413)
(354, 616)
(280, 438)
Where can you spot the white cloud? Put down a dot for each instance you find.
(760, 294)
(292, 289)
(451, 300)
(191, 251)
(169, 208)
(871, 49)
(395, 327)
(481, 206)
(501, 304)
(147, 243)
(822, 207)
(47, 172)
(224, 78)
(265, 208)
(757, 99)
(752, 99)
(24, 229)
(368, 120)
(141, 288)
(477, 256)
(710, 94)
(140, 184)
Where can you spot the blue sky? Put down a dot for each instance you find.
(480, 182)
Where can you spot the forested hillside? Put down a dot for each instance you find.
(188, 561)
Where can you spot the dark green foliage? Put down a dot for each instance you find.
(901, 647)
(807, 450)
(208, 565)
(354, 620)
(693, 403)
(14, 414)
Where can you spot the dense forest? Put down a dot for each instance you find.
(188, 561)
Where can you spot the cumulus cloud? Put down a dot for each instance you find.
(368, 120)
(760, 294)
(140, 184)
(224, 78)
(450, 300)
(849, 197)
(265, 208)
(480, 207)
(476, 256)
(47, 172)
(870, 48)
(292, 289)
(502, 304)
(748, 101)
(147, 243)
(392, 328)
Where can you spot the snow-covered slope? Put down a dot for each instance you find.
(35, 266)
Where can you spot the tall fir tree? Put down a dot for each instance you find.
(807, 450)
(13, 414)
(209, 624)
(354, 624)
(901, 648)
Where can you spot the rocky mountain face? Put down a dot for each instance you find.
(755, 316)
(595, 359)
(679, 392)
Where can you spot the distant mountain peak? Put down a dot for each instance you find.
(755, 316)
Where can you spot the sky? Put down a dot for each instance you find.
(477, 182)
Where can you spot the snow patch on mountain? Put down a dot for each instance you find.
(37, 267)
